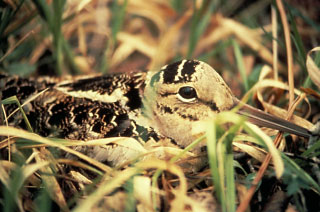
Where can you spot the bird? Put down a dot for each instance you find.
(145, 105)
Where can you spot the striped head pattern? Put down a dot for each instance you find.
(185, 92)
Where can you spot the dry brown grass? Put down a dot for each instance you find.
(95, 36)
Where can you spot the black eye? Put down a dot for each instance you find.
(187, 93)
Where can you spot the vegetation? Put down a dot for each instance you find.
(267, 45)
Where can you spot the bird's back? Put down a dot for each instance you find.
(83, 108)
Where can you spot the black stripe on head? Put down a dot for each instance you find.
(170, 72)
(189, 68)
(174, 73)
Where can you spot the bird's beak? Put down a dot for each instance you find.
(264, 119)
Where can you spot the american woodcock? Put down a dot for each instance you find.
(143, 105)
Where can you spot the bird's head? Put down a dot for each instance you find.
(183, 93)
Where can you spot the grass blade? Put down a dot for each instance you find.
(199, 23)
(14, 100)
(240, 64)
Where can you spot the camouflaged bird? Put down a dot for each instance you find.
(142, 105)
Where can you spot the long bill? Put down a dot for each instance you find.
(263, 119)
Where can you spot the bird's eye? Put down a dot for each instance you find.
(187, 94)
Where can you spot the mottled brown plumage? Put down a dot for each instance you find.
(143, 105)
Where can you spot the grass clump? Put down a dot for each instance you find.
(62, 37)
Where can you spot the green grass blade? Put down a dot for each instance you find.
(240, 64)
(53, 16)
(130, 204)
(228, 166)
(267, 142)
(58, 6)
(45, 12)
(199, 23)
(118, 12)
(188, 148)
(308, 20)
(43, 201)
(211, 135)
(14, 100)
(220, 48)
(236, 164)
(300, 173)
(6, 17)
(117, 19)
(297, 40)
(310, 152)
(11, 194)
(220, 154)
(69, 56)
(177, 5)
(230, 182)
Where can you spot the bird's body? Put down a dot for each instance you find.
(82, 108)
(143, 105)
